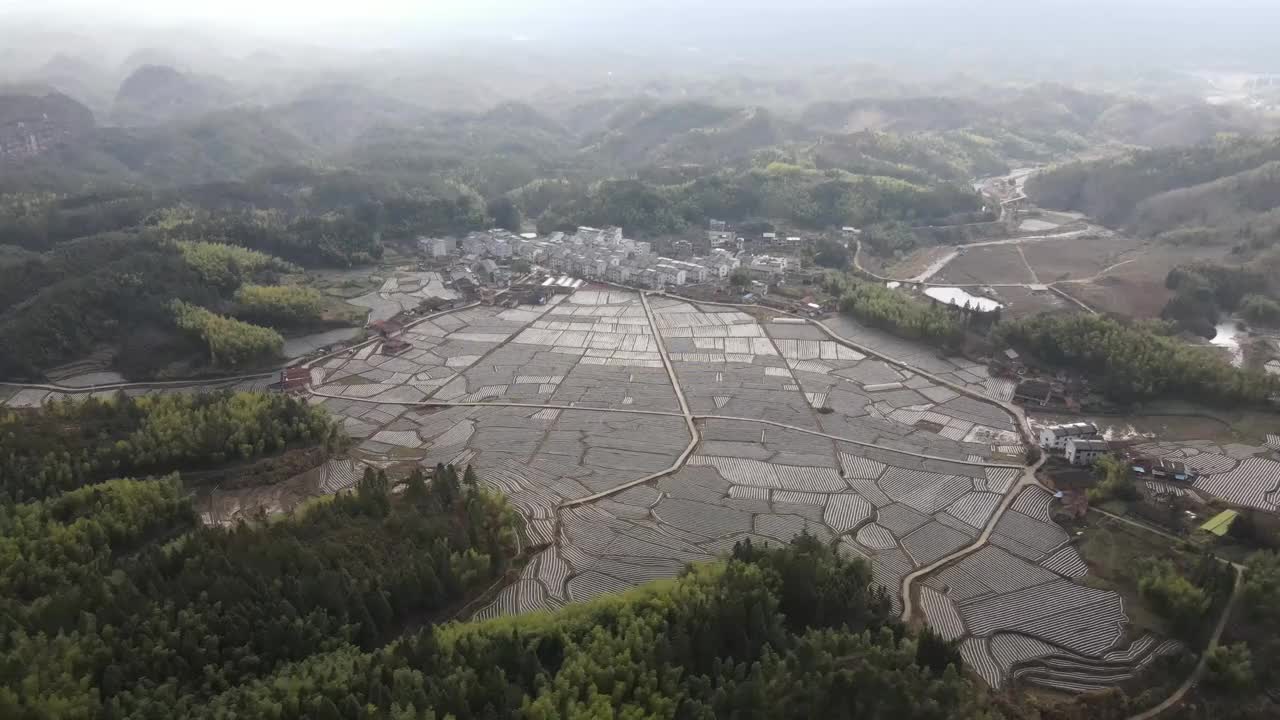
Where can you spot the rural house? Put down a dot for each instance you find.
(1085, 451)
(1054, 437)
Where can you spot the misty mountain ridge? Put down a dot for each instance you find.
(182, 128)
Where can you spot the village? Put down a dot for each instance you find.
(499, 259)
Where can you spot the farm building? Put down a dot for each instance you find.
(1162, 469)
(1033, 391)
(563, 285)
(1054, 437)
(1085, 451)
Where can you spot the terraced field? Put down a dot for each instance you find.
(1240, 474)
(1018, 612)
(965, 373)
(767, 465)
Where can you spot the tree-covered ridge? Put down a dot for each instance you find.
(71, 443)
(1224, 193)
(116, 290)
(112, 617)
(228, 266)
(788, 632)
(338, 235)
(123, 300)
(1132, 362)
(232, 344)
(778, 189)
(279, 305)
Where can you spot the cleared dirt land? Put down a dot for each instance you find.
(1078, 258)
(998, 264)
(1135, 288)
(1021, 302)
(916, 263)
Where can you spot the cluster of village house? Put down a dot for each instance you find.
(1081, 444)
(596, 254)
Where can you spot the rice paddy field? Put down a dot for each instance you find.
(575, 411)
(569, 409)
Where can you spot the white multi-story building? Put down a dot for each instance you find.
(768, 265)
(439, 247)
(1055, 437)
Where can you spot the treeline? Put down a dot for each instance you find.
(804, 196)
(1132, 362)
(232, 344)
(116, 606)
(71, 443)
(904, 315)
(279, 305)
(337, 238)
(228, 266)
(792, 632)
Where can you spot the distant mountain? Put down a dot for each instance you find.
(918, 114)
(80, 78)
(335, 115)
(1046, 114)
(688, 133)
(215, 147)
(33, 125)
(158, 94)
(1143, 123)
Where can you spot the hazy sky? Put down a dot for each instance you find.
(282, 13)
(1165, 29)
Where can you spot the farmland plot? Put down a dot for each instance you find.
(1237, 473)
(966, 373)
(766, 484)
(1021, 614)
(867, 398)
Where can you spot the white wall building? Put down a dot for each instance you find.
(1055, 437)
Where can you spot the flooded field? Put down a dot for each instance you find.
(957, 296)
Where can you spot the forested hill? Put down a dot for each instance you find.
(784, 633)
(116, 603)
(1218, 192)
